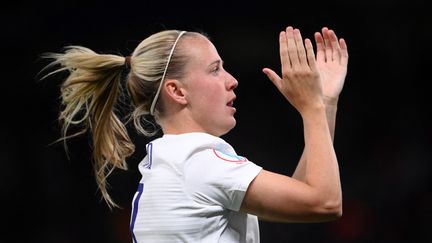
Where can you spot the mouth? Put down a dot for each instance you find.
(231, 102)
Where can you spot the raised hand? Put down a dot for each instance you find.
(331, 62)
(300, 82)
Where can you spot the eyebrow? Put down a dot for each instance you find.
(218, 62)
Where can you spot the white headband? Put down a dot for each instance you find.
(152, 107)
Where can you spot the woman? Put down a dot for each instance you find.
(194, 187)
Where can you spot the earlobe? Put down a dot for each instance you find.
(175, 91)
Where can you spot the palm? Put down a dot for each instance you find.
(332, 78)
(331, 62)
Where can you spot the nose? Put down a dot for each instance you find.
(232, 82)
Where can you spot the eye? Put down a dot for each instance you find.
(216, 69)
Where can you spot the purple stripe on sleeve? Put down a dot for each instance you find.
(149, 152)
(135, 210)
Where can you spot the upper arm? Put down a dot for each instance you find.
(276, 197)
(214, 178)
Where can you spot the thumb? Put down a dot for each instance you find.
(272, 75)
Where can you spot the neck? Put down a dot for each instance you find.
(179, 123)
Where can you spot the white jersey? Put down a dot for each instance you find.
(191, 190)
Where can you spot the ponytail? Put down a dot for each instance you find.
(89, 97)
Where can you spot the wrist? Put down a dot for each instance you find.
(330, 101)
(313, 110)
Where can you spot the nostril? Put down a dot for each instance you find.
(233, 84)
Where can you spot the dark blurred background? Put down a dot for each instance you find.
(383, 137)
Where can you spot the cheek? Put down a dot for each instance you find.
(209, 93)
(214, 95)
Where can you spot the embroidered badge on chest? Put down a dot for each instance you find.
(229, 157)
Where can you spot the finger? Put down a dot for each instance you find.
(310, 54)
(320, 55)
(327, 45)
(283, 50)
(344, 52)
(300, 47)
(335, 46)
(276, 80)
(292, 48)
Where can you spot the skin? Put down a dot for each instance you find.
(203, 99)
(312, 84)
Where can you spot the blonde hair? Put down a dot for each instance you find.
(90, 95)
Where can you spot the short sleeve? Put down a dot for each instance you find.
(214, 177)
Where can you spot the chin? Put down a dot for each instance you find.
(228, 127)
(234, 123)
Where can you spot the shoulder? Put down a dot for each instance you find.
(216, 157)
(227, 156)
(213, 164)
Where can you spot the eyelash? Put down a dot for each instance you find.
(216, 69)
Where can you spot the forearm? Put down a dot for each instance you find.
(321, 170)
(331, 110)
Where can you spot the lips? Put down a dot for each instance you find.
(231, 102)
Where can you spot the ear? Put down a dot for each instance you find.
(175, 91)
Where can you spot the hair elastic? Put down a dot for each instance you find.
(152, 107)
(127, 62)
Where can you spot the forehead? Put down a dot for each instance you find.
(199, 50)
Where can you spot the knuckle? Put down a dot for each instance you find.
(304, 73)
